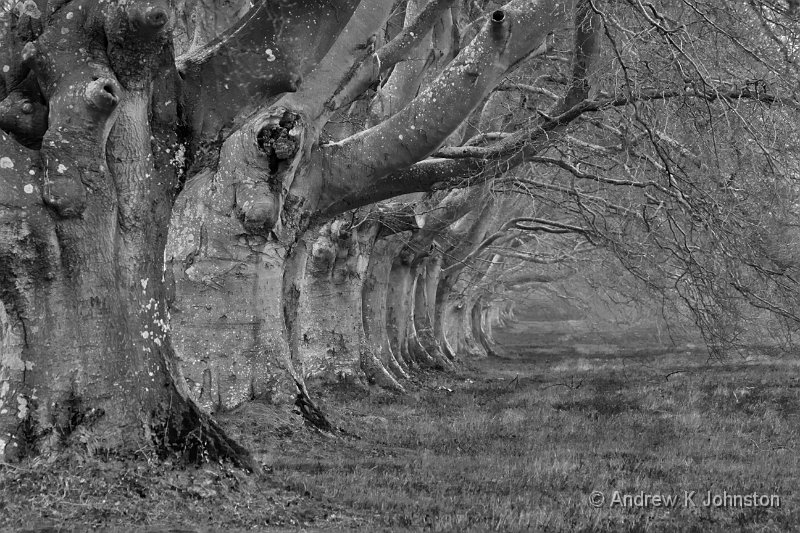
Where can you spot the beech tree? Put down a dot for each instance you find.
(269, 278)
(125, 120)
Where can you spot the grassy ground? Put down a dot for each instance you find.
(513, 444)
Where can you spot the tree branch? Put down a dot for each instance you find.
(420, 46)
(453, 208)
(405, 41)
(487, 241)
(585, 50)
(283, 133)
(537, 277)
(508, 37)
(554, 226)
(532, 89)
(531, 257)
(483, 163)
(517, 141)
(266, 53)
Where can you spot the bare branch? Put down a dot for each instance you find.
(433, 48)
(517, 141)
(532, 89)
(397, 49)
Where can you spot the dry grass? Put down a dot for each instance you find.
(508, 445)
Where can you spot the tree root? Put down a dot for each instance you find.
(312, 414)
(199, 438)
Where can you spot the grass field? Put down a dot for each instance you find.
(511, 444)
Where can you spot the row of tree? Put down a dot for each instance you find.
(209, 201)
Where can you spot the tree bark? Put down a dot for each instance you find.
(329, 326)
(230, 353)
(374, 304)
(235, 239)
(88, 351)
(107, 130)
(417, 325)
(481, 327)
(399, 302)
(424, 339)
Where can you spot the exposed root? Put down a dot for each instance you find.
(181, 429)
(200, 439)
(312, 415)
(377, 373)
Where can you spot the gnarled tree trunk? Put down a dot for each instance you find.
(84, 224)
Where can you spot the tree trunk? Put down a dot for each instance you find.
(424, 341)
(491, 318)
(480, 327)
(472, 345)
(457, 329)
(229, 353)
(85, 210)
(374, 304)
(418, 309)
(329, 326)
(399, 301)
(443, 317)
(454, 315)
(236, 245)
(82, 245)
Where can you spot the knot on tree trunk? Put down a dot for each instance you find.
(263, 160)
(279, 140)
(499, 24)
(137, 33)
(23, 114)
(102, 94)
(147, 19)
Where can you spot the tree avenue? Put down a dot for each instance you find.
(206, 202)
